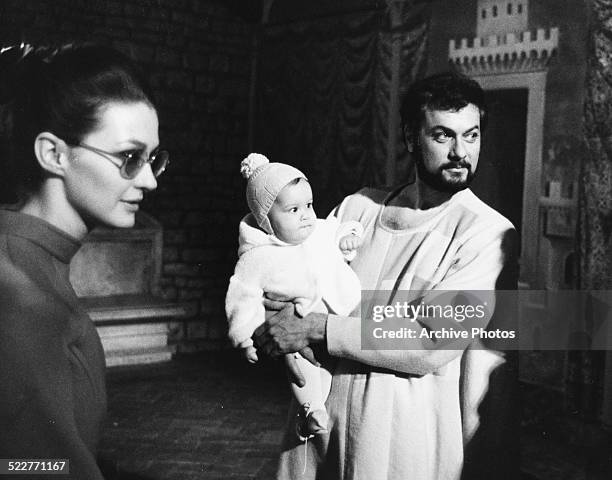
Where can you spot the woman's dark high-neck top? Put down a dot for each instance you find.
(52, 389)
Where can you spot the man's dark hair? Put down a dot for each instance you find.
(444, 91)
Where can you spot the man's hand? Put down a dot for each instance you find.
(285, 332)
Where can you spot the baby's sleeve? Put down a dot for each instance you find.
(244, 304)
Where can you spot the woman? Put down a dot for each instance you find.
(80, 133)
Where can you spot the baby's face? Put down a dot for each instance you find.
(292, 216)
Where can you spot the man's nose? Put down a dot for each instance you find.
(459, 151)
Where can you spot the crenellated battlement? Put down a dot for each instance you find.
(509, 52)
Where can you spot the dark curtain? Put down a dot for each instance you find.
(324, 99)
(595, 250)
(596, 174)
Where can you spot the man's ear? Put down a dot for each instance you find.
(51, 153)
(409, 139)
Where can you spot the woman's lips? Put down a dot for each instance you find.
(133, 205)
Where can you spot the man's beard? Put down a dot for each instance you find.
(438, 182)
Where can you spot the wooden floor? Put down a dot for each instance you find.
(214, 416)
(202, 417)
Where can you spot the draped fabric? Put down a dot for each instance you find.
(596, 174)
(324, 95)
(585, 369)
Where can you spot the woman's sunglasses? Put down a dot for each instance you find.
(131, 162)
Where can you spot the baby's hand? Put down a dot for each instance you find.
(349, 243)
(250, 353)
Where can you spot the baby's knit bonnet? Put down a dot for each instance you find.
(265, 180)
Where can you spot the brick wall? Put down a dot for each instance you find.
(199, 56)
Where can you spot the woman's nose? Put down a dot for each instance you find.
(145, 178)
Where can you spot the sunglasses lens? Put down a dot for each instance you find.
(159, 161)
(132, 166)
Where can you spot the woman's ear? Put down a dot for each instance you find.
(51, 153)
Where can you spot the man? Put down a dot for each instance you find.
(406, 414)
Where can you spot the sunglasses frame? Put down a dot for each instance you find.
(141, 162)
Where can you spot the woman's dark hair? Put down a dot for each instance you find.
(60, 91)
(445, 91)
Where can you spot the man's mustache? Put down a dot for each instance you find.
(459, 164)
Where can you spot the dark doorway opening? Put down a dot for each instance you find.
(499, 178)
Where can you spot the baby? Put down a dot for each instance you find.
(286, 251)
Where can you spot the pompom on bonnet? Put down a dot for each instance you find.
(265, 180)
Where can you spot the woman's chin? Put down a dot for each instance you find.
(125, 221)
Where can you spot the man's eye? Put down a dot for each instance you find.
(294, 210)
(309, 206)
(440, 137)
(472, 137)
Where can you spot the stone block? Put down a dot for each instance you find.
(195, 61)
(44, 22)
(138, 52)
(217, 327)
(156, 78)
(169, 220)
(161, 14)
(167, 57)
(180, 282)
(182, 17)
(205, 83)
(216, 105)
(237, 145)
(166, 282)
(189, 294)
(170, 254)
(202, 24)
(178, 79)
(175, 332)
(169, 293)
(198, 283)
(197, 330)
(199, 255)
(225, 164)
(122, 22)
(100, 37)
(181, 269)
(219, 63)
(179, 4)
(177, 119)
(210, 305)
(193, 219)
(174, 237)
(166, 202)
(192, 307)
(151, 38)
(176, 41)
(171, 99)
(136, 10)
(241, 66)
(235, 87)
